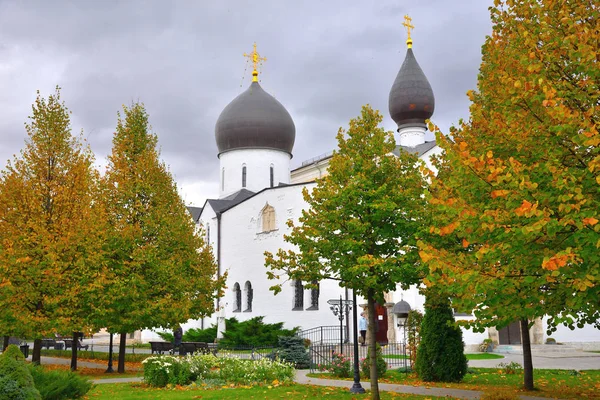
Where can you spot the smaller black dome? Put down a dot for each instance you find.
(255, 119)
(411, 99)
(401, 309)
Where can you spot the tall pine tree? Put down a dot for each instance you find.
(162, 272)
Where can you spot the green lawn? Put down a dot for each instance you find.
(289, 392)
(475, 356)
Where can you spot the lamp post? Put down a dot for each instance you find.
(110, 355)
(401, 310)
(356, 387)
(339, 308)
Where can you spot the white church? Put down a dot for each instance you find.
(258, 194)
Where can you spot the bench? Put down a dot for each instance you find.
(196, 347)
(69, 344)
(47, 343)
(160, 347)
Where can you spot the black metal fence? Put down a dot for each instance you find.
(325, 335)
(394, 354)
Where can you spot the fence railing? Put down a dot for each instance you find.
(394, 354)
(325, 334)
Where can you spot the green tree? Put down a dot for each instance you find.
(516, 198)
(162, 271)
(363, 220)
(51, 230)
(440, 356)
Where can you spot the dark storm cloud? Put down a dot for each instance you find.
(183, 59)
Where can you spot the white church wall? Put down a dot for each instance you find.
(258, 174)
(243, 247)
(587, 337)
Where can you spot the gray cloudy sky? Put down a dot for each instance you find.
(183, 59)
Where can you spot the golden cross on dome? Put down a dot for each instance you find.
(256, 60)
(409, 26)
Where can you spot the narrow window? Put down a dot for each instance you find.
(249, 294)
(237, 306)
(207, 233)
(268, 218)
(272, 175)
(244, 176)
(223, 179)
(298, 296)
(314, 297)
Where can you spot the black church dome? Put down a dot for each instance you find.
(255, 120)
(411, 99)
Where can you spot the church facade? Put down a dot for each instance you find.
(258, 194)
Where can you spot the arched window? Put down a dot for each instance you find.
(249, 294)
(237, 292)
(298, 295)
(314, 297)
(268, 218)
(223, 179)
(244, 176)
(272, 175)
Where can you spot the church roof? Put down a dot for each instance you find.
(411, 99)
(195, 212)
(419, 149)
(255, 119)
(219, 205)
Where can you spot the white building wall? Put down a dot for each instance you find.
(258, 174)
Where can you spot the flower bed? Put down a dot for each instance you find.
(162, 370)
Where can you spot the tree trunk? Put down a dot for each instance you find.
(372, 344)
(527, 359)
(122, 343)
(74, 351)
(5, 343)
(36, 355)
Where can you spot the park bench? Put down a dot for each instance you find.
(196, 347)
(69, 344)
(47, 343)
(160, 347)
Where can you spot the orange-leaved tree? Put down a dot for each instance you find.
(517, 195)
(162, 271)
(51, 230)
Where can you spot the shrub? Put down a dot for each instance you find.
(253, 332)
(340, 366)
(440, 357)
(484, 347)
(59, 385)
(550, 341)
(162, 370)
(208, 335)
(511, 368)
(293, 351)
(413, 332)
(365, 363)
(247, 372)
(16, 382)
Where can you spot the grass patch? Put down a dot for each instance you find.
(125, 391)
(93, 373)
(564, 384)
(483, 356)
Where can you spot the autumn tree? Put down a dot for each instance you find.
(362, 221)
(51, 230)
(516, 198)
(162, 271)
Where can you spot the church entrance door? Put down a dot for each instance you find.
(381, 326)
(510, 334)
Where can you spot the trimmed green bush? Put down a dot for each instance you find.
(294, 351)
(253, 333)
(440, 357)
(59, 385)
(16, 382)
(365, 363)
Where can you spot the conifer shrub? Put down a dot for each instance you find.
(59, 385)
(293, 350)
(365, 363)
(253, 333)
(440, 356)
(16, 382)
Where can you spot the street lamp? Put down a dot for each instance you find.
(110, 355)
(339, 308)
(401, 310)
